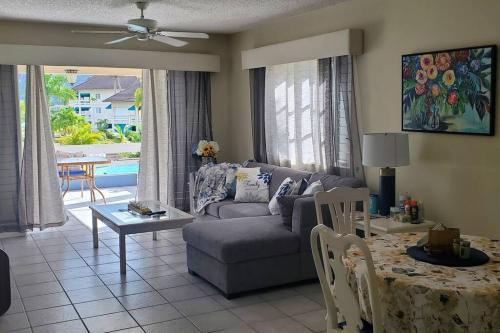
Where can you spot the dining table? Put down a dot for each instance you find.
(418, 297)
(86, 163)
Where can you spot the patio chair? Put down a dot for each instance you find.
(72, 173)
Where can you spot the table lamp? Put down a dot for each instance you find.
(386, 151)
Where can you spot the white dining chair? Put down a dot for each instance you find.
(341, 202)
(340, 299)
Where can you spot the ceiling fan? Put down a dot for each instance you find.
(145, 29)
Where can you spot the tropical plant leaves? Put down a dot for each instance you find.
(408, 85)
(482, 105)
(476, 80)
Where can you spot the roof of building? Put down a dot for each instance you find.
(106, 82)
(126, 95)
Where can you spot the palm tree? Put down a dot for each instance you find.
(138, 104)
(121, 134)
(126, 134)
(65, 118)
(56, 86)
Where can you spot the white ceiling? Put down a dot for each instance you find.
(216, 16)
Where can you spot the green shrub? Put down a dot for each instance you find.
(80, 135)
(65, 118)
(133, 136)
(130, 154)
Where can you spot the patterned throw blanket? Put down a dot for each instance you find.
(213, 183)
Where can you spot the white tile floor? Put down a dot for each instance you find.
(61, 284)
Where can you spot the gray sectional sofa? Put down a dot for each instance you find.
(239, 247)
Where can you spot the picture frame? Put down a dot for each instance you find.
(449, 91)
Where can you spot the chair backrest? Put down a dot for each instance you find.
(339, 297)
(341, 203)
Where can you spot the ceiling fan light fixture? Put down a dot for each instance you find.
(146, 23)
(145, 29)
(142, 37)
(71, 74)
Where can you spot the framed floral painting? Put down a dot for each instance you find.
(449, 91)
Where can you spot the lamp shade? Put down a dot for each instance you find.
(386, 150)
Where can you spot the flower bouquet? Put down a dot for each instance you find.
(207, 150)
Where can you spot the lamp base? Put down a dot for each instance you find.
(387, 188)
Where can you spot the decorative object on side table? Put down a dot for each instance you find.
(374, 204)
(409, 210)
(386, 150)
(206, 150)
(450, 91)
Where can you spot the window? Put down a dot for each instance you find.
(310, 116)
(293, 118)
(97, 110)
(84, 98)
(97, 96)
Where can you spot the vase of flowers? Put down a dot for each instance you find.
(207, 151)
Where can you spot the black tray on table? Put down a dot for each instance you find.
(476, 258)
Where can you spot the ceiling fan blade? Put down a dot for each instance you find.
(122, 32)
(137, 28)
(184, 34)
(119, 40)
(168, 40)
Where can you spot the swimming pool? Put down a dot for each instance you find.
(117, 169)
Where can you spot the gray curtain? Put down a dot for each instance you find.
(40, 202)
(189, 117)
(152, 178)
(257, 104)
(342, 142)
(10, 157)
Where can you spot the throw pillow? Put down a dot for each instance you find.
(252, 187)
(242, 172)
(285, 188)
(303, 185)
(314, 187)
(245, 172)
(299, 187)
(286, 204)
(231, 181)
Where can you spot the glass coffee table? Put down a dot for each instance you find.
(123, 222)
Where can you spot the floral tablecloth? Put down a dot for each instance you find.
(424, 298)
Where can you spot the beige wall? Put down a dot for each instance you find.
(457, 177)
(12, 32)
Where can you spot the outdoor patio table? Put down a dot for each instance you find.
(88, 164)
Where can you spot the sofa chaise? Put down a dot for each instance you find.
(239, 246)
